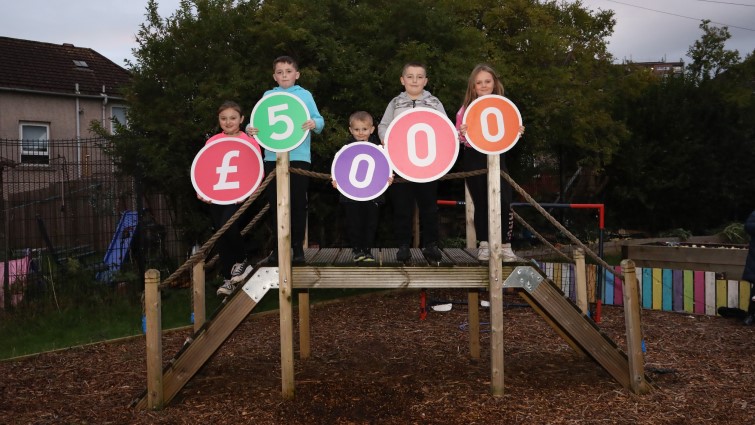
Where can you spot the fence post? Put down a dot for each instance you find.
(198, 282)
(473, 295)
(154, 339)
(495, 275)
(634, 329)
(581, 279)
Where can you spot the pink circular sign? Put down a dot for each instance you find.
(421, 144)
(227, 171)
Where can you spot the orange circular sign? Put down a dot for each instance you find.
(493, 124)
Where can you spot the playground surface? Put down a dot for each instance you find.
(374, 361)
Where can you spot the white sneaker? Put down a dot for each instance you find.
(507, 254)
(483, 252)
(240, 271)
(226, 288)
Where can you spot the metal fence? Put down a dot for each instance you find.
(74, 210)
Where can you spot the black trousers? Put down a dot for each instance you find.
(403, 197)
(298, 187)
(230, 245)
(361, 222)
(751, 307)
(478, 189)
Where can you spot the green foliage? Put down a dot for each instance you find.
(551, 55)
(709, 56)
(735, 233)
(682, 234)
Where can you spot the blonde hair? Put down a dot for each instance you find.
(472, 93)
(360, 116)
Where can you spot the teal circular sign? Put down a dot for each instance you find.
(279, 117)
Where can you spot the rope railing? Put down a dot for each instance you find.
(558, 225)
(525, 195)
(202, 252)
(244, 232)
(540, 237)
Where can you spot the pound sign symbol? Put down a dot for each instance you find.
(224, 170)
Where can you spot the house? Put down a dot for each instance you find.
(56, 182)
(53, 92)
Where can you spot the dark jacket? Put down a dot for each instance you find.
(749, 271)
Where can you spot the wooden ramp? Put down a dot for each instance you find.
(206, 341)
(567, 320)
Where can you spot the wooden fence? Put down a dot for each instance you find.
(687, 291)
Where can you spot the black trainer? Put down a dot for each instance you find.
(368, 258)
(358, 255)
(432, 253)
(403, 253)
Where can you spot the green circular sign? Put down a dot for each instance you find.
(279, 117)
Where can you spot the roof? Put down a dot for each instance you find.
(57, 68)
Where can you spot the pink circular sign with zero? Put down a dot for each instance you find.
(227, 171)
(421, 144)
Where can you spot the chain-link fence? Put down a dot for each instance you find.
(68, 214)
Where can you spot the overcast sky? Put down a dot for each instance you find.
(646, 30)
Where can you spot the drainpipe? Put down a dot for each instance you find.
(104, 103)
(78, 130)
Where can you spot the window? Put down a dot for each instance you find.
(119, 114)
(34, 143)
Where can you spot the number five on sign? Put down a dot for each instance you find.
(493, 124)
(279, 117)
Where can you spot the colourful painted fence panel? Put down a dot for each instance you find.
(689, 291)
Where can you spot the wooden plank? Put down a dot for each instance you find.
(709, 306)
(637, 381)
(732, 293)
(656, 278)
(460, 257)
(689, 291)
(744, 295)
(677, 287)
(701, 292)
(584, 332)
(647, 287)
(152, 305)
(388, 257)
(390, 277)
(324, 257)
(667, 285)
(608, 287)
(720, 295)
(345, 257)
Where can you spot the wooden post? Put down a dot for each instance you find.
(154, 339)
(634, 329)
(473, 295)
(282, 178)
(495, 273)
(198, 281)
(304, 326)
(581, 279)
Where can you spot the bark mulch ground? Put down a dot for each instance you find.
(373, 361)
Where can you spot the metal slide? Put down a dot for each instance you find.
(567, 320)
(206, 341)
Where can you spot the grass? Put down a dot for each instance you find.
(100, 316)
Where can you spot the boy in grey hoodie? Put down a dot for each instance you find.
(404, 195)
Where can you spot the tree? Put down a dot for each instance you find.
(551, 55)
(709, 55)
